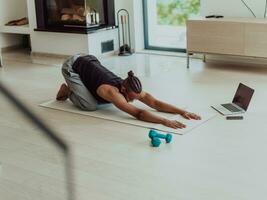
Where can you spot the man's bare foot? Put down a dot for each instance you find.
(63, 92)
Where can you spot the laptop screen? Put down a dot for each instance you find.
(243, 96)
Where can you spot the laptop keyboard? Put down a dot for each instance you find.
(231, 107)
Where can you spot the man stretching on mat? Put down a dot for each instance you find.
(90, 84)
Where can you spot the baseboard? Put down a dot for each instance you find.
(236, 59)
(60, 56)
(161, 53)
(50, 55)
(168, 53)
(11, 48)
(108, 54)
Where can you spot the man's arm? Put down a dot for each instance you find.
(119, 101)
(161, 106)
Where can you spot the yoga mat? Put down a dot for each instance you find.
(110, 112)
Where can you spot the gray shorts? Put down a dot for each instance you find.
(79, 95)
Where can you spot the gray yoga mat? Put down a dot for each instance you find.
(112, 113)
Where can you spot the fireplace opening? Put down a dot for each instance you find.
(79, 16)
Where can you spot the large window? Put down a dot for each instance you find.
(165, 23)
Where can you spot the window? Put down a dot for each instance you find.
(165, 23)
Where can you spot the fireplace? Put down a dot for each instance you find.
(74, 16)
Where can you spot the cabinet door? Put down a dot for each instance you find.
(256, 40)
(218, 37)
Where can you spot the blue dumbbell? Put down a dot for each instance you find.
(154, 134)
(155, 142)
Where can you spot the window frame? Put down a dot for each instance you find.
(146, 34)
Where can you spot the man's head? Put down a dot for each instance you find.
(131, 87)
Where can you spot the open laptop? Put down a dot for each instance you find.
(240, 102)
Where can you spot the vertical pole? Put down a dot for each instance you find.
(123, 31)
(1, 59)
(188, 60)
(119, 27)
(204, 58)
(129, 30)
(69, 170)
(126, 30)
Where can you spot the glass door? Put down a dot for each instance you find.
(165, 23)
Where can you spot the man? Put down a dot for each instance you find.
(90, 84)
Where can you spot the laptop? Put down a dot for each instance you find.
(240, 102)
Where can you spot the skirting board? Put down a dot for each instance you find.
(111, 113)
(224, 59)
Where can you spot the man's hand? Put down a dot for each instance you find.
(189, 115)
(174, 124)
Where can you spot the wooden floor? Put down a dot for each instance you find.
(222, 160)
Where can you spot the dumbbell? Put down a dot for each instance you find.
(155, 141)
(154, 134)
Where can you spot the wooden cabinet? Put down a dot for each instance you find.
(255, 40)
(229, 36)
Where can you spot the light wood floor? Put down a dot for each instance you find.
(219, 160)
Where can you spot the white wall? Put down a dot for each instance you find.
(9, 40)
(95, 40)
(138, 25)
(12, 9)
(232, 8)
(9, 11)
(59, 43)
